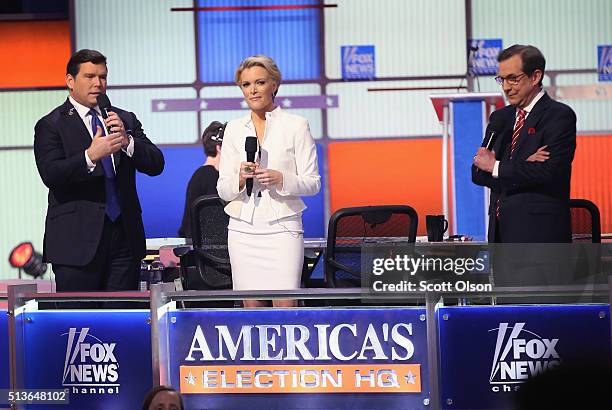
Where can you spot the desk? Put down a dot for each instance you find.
(313, 248)
(154, 244)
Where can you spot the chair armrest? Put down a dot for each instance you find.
(181, 250)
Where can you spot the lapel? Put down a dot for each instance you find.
(74, 126)
(502, 144)
(532, 120)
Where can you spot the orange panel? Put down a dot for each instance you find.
(403, 172)
(34, 53)
(592, 175)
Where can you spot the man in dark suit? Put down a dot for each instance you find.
(94, 236)
(526, 157)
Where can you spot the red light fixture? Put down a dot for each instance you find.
(23, 256)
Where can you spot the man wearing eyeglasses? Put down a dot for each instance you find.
(526, 156)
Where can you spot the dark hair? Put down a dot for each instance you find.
(213, 136)
(84, 56)
(532, 58)
(153, 392)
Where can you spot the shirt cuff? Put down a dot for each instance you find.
(90, 164)
(129, 150)
(496, 170)
(281, 190)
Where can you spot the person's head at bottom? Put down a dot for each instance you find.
(163, 398)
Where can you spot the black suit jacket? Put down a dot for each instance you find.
(77, 203)
(534, 196)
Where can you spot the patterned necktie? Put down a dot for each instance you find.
(113, 209)
(520, 121)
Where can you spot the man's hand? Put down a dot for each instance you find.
(103, 146)
(115, 125)
(541, 155)
(484, 159)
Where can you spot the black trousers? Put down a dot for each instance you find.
(113, 267)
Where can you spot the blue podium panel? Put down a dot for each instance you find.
(4, 354)
(487, 352)
(102, 358)
(468, 198)
(290, 359)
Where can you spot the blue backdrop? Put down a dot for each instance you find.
(291, 37)
(163, 197)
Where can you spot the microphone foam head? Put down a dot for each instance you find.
(250, 144)
(103, 102)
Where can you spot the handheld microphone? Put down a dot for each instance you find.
(488, 145)
(250, 146)
(104, 104)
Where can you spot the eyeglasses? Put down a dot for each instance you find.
(512, 79)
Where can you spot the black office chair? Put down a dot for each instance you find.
(350, 228)
(586, 221)
(586, 228)
(207, 265)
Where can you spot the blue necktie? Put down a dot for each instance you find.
(113, 209)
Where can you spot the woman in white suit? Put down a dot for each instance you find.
(265, 235)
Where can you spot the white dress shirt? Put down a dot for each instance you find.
(287, 147)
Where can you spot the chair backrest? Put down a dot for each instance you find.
(586, 221)
(350, 228)
(209, 238)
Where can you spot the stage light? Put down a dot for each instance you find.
(23, 256)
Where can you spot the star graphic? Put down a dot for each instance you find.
(410, 378)
(161, 106)
(203, 105)
(191, 379)
(244, 104)
(287, 103)
(329, 101)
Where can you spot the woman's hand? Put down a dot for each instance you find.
(269, 177)
(541, 155)
(247, 170)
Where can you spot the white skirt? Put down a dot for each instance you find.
(266, 255)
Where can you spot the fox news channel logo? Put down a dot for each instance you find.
(482, 56)
(519, 355)
(358, 62)
(90, 365)
(604, 62)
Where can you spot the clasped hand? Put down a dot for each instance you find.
(103, 146)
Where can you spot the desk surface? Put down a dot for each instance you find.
(153, 244)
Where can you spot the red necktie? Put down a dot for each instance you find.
(520, 121)
(518, 126)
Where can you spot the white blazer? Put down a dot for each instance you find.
(287, 147)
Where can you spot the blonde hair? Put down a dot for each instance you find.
(263, 61)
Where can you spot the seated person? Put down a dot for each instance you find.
(204, 179)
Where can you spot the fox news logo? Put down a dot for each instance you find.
(358, 62)
(482, 56)
(604, 62)
(519, 355)
(90, 366)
